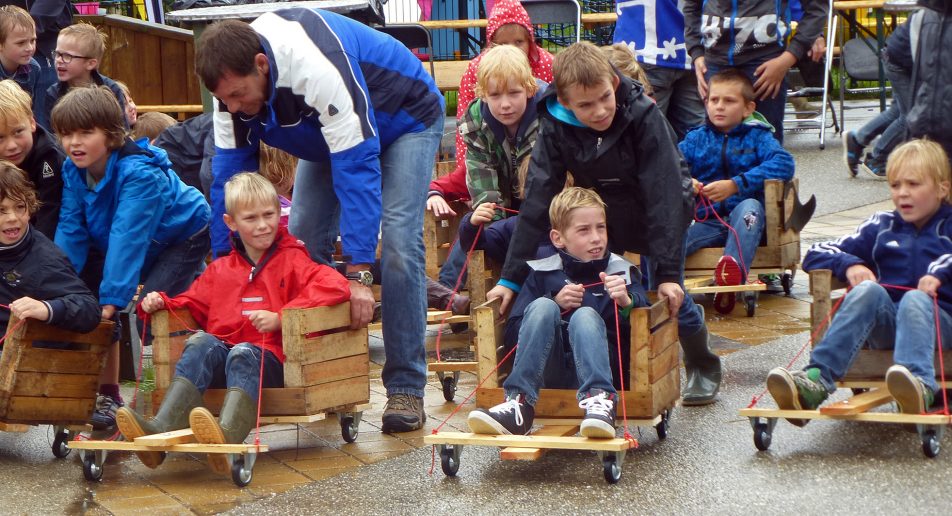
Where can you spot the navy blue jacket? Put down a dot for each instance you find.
(748, 154)
(896, 252)
(550, 275)
(495, 237)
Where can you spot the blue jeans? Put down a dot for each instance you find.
(747, 219)
(544, 360)
(772, 109)
(675, 93)
(890, 125)
(868, 317)
(449, 271)
(690, 317)
(210, 364)
(406, 166)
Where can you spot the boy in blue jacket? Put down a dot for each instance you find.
(125, 201)
(730, 158)
(562, 326)
(909, 248)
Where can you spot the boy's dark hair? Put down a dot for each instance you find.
(150, 125)
(581, 64)
(226, 46)
(95, 107)
(734, 76)
(14, 185)
(11, 17)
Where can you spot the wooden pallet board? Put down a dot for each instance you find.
(530, 441)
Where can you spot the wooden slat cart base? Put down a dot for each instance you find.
(326, 370)
(41, 385)
(654, 391)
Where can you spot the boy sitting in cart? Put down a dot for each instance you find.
(896, 263)
(238, 302)
(731, 156)
(38, 281)
(561, 319)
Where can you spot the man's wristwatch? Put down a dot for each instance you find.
(365, 278)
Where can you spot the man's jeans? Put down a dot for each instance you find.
(543, 359)
(747, 219)
(406, 167)
(869, 318)
(675, 93)
(209, 363)
(771, 108)
(890, 125)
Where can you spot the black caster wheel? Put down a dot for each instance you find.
(786, 281)
(750, 303)
(349, 428)
(449, 388)
(611, 469)
(930, 444)
(91, 470)
(449, 460)
(762, 436)
(724, 302)
(662, 427)
(239, 475)
(60, 448)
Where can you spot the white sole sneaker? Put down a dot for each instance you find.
(597, 429)
(906, 389)
(482, 423)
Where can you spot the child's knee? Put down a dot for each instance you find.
(201, 341)
(916, 300)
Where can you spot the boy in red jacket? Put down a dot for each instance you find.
(238, 301)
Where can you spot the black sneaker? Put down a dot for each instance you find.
(512, 417)
(873, 167)
(852, 152)
(104, 415)
(599, 419)
(403, 413)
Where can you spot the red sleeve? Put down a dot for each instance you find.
(320, 285)
(467, 92)
(195, 299)
(452, 185)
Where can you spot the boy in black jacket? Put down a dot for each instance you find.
(33, 150)
(38, 281)
(561, 318)
(614, 139)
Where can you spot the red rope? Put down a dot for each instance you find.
(621, 380)
(706, 202)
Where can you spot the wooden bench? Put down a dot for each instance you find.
(653, 392)
(781, 254)
(44, 386)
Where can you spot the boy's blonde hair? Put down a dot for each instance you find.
(507, 65)
(91, 40)
(14, 185)
(11, 17)
(94, 107)
(150, 125)
(621, 56)
(581, 64)
(573, 197)
(523, 172)
(924, 156)
(278, 167)
(249, 189)
(15, 104)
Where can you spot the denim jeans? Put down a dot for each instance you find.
(890, 125)
(868, 317)
(449, 271)
(747, 219)
(406, 167)
(209, 363)
(690, 317)
(772, 109)
(675, 93)
(544, 360)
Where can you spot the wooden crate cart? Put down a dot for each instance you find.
(44, 386)
(326, 370)
(780, 255)
(866, 378)
(653, 393)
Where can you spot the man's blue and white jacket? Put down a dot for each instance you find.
(896, 252)
(654, 30)
(339, 92)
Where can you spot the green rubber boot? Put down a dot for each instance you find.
(238, 414)
(702, 368)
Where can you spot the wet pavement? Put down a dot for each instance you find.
(708, 464)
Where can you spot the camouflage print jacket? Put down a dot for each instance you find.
(492, 159)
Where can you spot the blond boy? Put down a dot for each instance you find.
(33, 150)
(79, 48)
(17, 46)
(150, 125)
